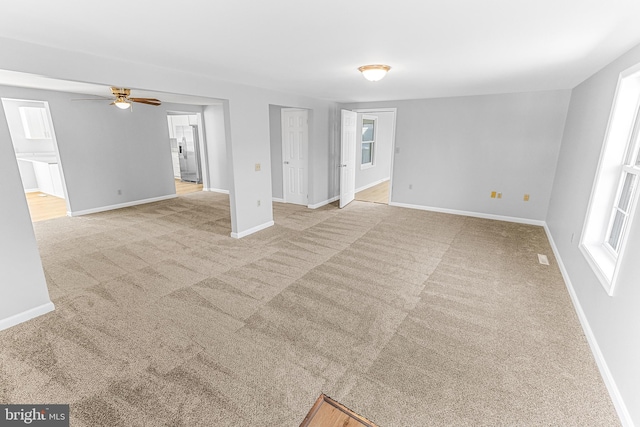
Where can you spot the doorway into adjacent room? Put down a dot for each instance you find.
(36, 151)
(368, 148)
(187, 151)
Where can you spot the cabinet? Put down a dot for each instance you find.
(47, 175)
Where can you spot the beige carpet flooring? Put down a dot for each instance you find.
(409, 318)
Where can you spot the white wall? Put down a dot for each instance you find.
(455, 151)
(28, 176)
(23, 290)
(613, 320)
(381, 169)
(213, 117)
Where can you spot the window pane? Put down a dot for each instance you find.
(366, 152)
(627, 191)
(616, 230)
(367, 129)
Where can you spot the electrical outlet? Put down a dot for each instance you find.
(119, 192)
(526, 197)
(257, 167)
(410, 186)
(258, 202)
(493, 194)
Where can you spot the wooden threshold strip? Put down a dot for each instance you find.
(326, 412)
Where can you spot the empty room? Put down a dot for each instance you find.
(320, 214)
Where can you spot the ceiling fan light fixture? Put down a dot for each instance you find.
(373, 73)
(122, 103)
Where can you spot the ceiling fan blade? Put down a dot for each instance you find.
(149, 101)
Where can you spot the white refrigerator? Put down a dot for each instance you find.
(189, 153)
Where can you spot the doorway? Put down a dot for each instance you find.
(187, 143)
(295, 161)
(36, 150)
(368, 148)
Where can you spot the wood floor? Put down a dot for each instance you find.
(183, 187)
(376, 194)
(43, 206)
(326, 412)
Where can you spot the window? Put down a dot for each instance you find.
(368, 141)
(35, 123)
(627, 187)
(615, 191)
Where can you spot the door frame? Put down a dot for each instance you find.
(283, 111)
(393, 110)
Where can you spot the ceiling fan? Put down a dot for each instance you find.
(123, 99)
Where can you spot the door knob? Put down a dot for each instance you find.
(286, 163)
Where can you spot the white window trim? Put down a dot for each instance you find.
(619, 136)
(373, 143)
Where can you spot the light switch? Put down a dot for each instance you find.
(526, 197)
(257, 167)
(493, 194)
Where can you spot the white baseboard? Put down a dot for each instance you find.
(278, 199)
(121, 205)
(216, 190)
(614, 392)
(26, 315)
(32, 190)
(252, 230)
(326, 202)
(373, 184)
(472, 214)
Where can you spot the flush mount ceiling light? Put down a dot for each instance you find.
(373, 73)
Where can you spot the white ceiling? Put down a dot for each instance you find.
(436, 48)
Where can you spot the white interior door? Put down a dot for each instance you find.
(295, 146)
(348, 157)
